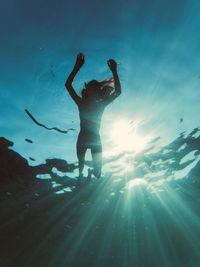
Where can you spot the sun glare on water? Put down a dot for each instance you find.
(137, 182)
(125, 136)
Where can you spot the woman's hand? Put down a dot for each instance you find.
(112, 64)
(80, 60)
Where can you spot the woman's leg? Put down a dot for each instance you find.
(96, 151)
(80, 150)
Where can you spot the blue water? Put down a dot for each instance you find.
(145, 209)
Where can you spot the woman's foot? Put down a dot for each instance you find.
(80, 178)
(90, 172)
(97, 173)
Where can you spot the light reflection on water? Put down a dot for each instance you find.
(136, 182)
(152, 167)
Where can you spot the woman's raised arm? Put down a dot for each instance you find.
(113, 67)
(80, 60)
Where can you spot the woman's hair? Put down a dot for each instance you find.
(99, 90)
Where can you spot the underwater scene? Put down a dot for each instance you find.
(100, 133)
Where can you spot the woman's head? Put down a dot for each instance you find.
(97, 90)
(90, 90)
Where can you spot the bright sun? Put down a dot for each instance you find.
(125, 135)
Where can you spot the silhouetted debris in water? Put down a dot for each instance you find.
(14, 166)
(47, 128)
(153, 167)
(181, 120)
(196, 130)
(61, 164)
(5, 143)
(28, 140)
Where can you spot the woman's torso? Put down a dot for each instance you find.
(90, 117)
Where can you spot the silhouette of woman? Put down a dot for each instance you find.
(94, 98)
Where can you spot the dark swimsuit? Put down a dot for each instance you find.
(90, 122)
